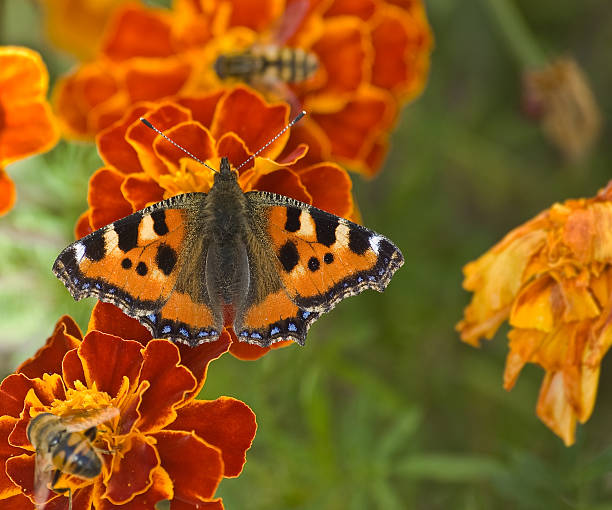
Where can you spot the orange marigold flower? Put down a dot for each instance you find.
(163, 445)
(373, 56)
(87, 20)
(552, 279)
(27, 126)
(142, 168)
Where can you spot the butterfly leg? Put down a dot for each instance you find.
(61, 490)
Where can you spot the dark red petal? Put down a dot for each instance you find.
(109, 319)
(72, 369)
(83, 225)
(246, 351)
(17, 502)
(107, 204)
(330, 188)
(140, 191)
(114, 150)
(149, 82)
(195, 467)
(170, 382)
(15, 387)
(48, 359)
(197, 358)
(107, 359)
(160, 490)
(226, 423)
(242, 103)
(20, 470)
(132, 472)
(284, 182)
(202, 107)
(190, 135)
(215, 504)
(7, 487)
(231, 146)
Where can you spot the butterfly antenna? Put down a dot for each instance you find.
(291, 124)
(149, 125)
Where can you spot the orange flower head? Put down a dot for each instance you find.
(142, 168)
(160, 444)
(552, 279)
(27, 126)
(351, 65)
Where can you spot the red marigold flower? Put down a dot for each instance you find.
(163, 444)
(142, 168)
(551, 278)
(373, 57)
(27, 125)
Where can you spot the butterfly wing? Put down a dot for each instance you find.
(145, 264)
(321, 259)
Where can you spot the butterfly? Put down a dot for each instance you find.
(264, 263)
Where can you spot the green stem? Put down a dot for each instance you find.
(520, 40)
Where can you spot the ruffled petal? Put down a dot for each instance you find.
(330, 188)
(161, 489)
(15, 387)
(107, 359)
(226, 423)
(7, 487)
(8, 193)
(23, 75)
(284, 182)
(107, 204)
(215, 504)
(153, 80)
(195, 467)
(132, 472)
(107, 318)
(48, 359)
(170, 383)
(140, 191)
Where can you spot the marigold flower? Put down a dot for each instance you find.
(27, 125)
(142, 168)
(373, 57)
(163, 444)
(552, 279)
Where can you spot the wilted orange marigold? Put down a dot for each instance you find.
(163, 445)
(142, 168)
(27, 125)
(373, 56)
(552, 279)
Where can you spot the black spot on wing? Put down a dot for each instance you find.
(288, 255)
(126, 263)
(359, 240)
(328, 258)
(95, 246)
(165, 258)
(325, 225)
(159, 222)
(142, 269)
(127, 232)
(293, 219)
(314, 264)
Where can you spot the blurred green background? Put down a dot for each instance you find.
(384, 408)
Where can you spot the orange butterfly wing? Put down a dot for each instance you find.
(137, 264)
(321, 259)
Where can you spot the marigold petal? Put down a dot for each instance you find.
(554, 409)
(524, 343)
(83, 225)
(108, 318)
(140, 191)
(257, 16)
(8, 193)
(23, 75)
(107, 204)
(310, 134)
(161, 489)
(588, 233)
(194, 137)
(216, 504)
(138, 32)
(20, 470)
(226, 423)
(132, 472)
(246, 351)
(48, 359)
(15, 387)
(26, 129)
(242, 103)
(342, 53)
(114, 149)
(170, 383)
(537, 306)
(7, 487)
(151, 80)
(330, 188)
(195, 467)
(363, 9)
(107, 359)
(17, 502)
(231, 146)
(285, 182)
(72, 369)
(202, 107)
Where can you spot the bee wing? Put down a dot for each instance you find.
(43, 472)
(289, 22)
(86, 418)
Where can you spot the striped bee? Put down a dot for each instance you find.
(269, 65)
(64, 444)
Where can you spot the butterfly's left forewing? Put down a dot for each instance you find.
(320, 258)
(141, 263)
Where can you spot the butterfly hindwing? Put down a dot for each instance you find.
(138, 264)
